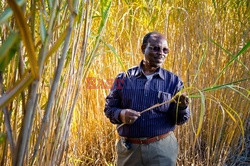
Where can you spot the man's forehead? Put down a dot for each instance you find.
(157, 39)
(157, 36)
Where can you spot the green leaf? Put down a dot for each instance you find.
(242, 94)
(228, 52)
(42, 29)
(8, 50)
(202, 113)
(56, 45)
(7, 13)
(23, 27)
(214, 3)
(200, 64)
(216, 87)
(116, 55)
(244, 49)
(106, 4)
(50, 4)
(2, 137)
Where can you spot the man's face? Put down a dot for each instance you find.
(155, 51)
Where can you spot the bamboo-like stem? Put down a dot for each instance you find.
(33, 11)
(145, 110)
(44, 49)
(54, 85)
(31, 103)
(78, 79)
(82, 57)
(152, 107)
(97, 42)
(60, 144)
(203, 50)
(21, 73)
(24, 134)
(7, 124)
(9, 133)
(19, 87)
(26, 36)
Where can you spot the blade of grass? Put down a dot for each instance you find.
(17, 88)
(105, 13)
(7, 45)
(214, 3)
(213, 88)
(50, 4)
(242, 94)
(8, 49)
(244, 49)
(228, 52)
(202, 113)
(70, 5)
(7, 13)
(57, 44)
(199, 66)
(42, 28)
(8, 129)
(240, 122)
(116, 55)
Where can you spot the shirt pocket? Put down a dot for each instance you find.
(163, 97)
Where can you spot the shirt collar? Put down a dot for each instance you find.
(140, 72)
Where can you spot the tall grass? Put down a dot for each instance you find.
(50, 115)
(206, 50)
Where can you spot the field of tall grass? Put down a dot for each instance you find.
(58, 58)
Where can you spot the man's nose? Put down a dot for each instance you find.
(160, 52)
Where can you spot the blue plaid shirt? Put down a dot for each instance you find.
(132, 90)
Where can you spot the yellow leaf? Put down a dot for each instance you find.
(26, 36)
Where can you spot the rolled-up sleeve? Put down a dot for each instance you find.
(113, 100)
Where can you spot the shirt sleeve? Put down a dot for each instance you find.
(112, 108)
(180, 114)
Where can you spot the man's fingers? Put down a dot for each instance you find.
(134, 118)
(131, 120)
(129, 116)
(184, 94)
(182, 99)
(133, 113)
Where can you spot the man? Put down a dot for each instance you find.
(147, 138)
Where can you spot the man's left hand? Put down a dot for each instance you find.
(182, 100)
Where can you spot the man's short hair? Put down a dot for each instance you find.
(147, 36)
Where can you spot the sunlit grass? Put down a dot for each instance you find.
(209, 48)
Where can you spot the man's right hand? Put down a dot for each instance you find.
(129, 116)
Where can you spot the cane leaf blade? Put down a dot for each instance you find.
(26, 36)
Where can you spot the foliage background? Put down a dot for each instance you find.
(51, 49)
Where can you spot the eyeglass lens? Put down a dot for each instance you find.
(157, 48)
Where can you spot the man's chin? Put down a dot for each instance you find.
(157, 65)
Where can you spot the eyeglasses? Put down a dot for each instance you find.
(157, 48)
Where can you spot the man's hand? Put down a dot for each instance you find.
(129, 116)
(182, 100)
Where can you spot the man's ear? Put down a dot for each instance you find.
(143, 47)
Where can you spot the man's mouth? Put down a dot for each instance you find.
(159, 60)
